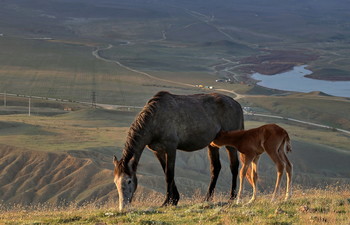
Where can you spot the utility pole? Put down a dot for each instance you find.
(93, 99)
(29, 105)
(5, 99)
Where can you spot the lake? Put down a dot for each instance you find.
(294, 80)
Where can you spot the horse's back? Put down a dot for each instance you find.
(213, 108)
(194, 120)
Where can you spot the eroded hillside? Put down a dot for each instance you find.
(82, 172)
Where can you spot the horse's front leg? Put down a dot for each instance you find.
(215, 167)
(172, 194)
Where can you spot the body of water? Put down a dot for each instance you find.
(294, 80)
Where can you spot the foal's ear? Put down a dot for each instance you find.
(219, 134)
(115, 160)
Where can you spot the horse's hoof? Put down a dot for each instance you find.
(166, 203)
(207, 199)
(170, 203)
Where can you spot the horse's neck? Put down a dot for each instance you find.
(133, 150)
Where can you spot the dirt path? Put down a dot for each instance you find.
(98, 56)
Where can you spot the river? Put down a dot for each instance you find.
(294, 80)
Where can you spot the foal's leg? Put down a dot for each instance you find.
(215, 167)
(246, 160)
(274, 155)
(254, 177)
(234, 165)
(289, 171)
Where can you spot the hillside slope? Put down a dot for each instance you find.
(32, 177)
(28, 176)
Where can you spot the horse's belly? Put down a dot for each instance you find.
(194, 144)
(195, 139)
(191, 147)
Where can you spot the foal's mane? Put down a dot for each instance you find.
(140, 126)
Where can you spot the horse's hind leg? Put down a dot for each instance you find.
(234, 165)
(215, 167)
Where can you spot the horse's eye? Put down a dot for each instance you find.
(129, 181)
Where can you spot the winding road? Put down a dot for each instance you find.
(98, 56)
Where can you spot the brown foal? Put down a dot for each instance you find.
(269, 138)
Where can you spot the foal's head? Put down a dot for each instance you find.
(220, 139)
(125, 180)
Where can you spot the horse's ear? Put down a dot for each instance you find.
(115, 160)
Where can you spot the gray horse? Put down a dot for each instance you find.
(169, 122)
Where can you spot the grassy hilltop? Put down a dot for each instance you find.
(330, 206)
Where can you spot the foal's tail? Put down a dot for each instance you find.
(287, 143)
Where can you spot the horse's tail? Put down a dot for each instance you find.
(288, 143)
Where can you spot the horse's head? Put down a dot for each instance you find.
(125, 180)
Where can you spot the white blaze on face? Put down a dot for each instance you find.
(126, 188)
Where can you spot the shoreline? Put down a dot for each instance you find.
(296, 80)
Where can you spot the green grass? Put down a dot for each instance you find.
(330, 206)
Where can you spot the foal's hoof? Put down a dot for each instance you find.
(287, 198)
(250, 202)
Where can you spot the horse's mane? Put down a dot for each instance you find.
(140, 126)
